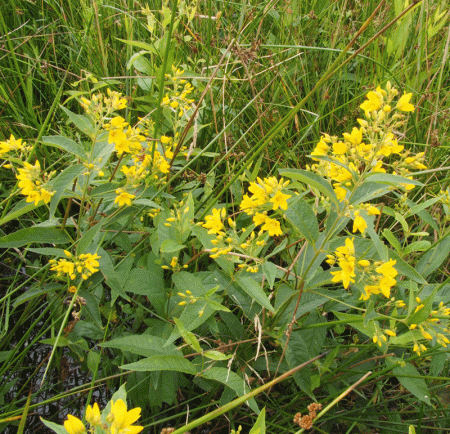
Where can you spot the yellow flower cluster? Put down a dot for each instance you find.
(379, 276)
(85, 265)
(118, 421)
(345, 162)
(149, 160)
(383, 281)
(31, 184)
(32, 181)
(12, 145)
(177, 99)
(433, 328)
(265, 195)
(145, 162)
(99, 106)
(187, 298)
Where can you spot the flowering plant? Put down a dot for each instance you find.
(297, 246)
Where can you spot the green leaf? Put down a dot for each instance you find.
(58, 429)
(392, 240)
(188, 337)
(111, 278)
(162, 363)
(395, 180)
(254, 290)
(61, 183)
(302, 217)
(143, 345)
(356, 322)
(260, 425)
(314, 180)
(83, 123)
(170, 246)
(19, 209)
(86, 239)
(417, 246)
(139, 44)
(417, 386)
(150, 283)
(202, 234)
(216, 355)
(368, 191)
(433, 259)
(37, 292)
(34, 235)
(146, 202)
(379, 245)
(231, 380)
(270, 271)
(406, 338)
(216, 306)
(67, 145)
(93, 360)
(303, 345)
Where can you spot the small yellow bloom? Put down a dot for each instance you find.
(403, 103)
(259, 218)
(73, 425)
(272, 226)
(373, 210)
(93, 415)
(213, 222)
(372, 103)
(123, 419)
(359, 224)
(339, 148)
(123, 198)
(279, 200)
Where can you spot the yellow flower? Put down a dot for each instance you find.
(346, 273)
(93, 415)
(279, 200)
(248, 204)
(260, 195)
(387, 269)
(359, 224)
(369, 290)
(259, 218)
(123, 419)
(372, 103)
(90, 262)
(403, 103)
(123, 198)
(214, 222)
(46, 196)
(355, 137)
(272, 226)
(341, 193)
(364, 263)
(386, 283)
(321, 149)
(339, 148)
(73, 425)
(371, 210)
